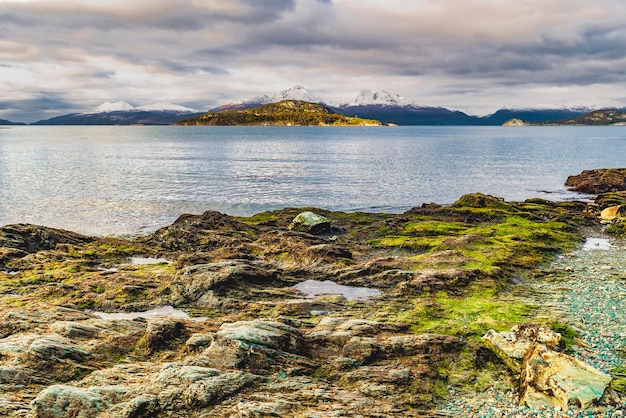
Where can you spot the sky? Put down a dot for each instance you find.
(59, 57)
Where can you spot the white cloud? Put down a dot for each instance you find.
(474, 53)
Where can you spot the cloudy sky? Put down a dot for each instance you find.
(58, 57)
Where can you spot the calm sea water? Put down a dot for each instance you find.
(128, 180)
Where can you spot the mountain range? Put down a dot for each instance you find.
(381, 105)
(123, 113)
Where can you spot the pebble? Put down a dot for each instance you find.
(591, 301)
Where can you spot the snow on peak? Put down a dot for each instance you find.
(382, 98)
(298, 93)
(593, 104)
(113, 107)
(293, 93)
(165, 107)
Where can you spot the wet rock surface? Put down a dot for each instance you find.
(254, 344)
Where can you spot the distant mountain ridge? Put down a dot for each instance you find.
(379, 105)
(603, 117)
(284, 113)
(4, 122)
(123, 113)
(395, 109)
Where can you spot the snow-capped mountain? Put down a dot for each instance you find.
(379, 98)
(113, 107)
(165, 107)
(293, 93)
(123, 113)
(123, 106)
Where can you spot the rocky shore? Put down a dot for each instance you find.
(389, 323)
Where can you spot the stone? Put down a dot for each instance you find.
(60, 401)
(55, 348)
(511, 346)
(559, 380)
(311, 223)
(196, 283)
(160, 332)
(613, 212)
(259, 346)
(199, 340)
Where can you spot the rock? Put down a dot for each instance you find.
(198, 340)
(600, 180)
(161, 332)
(558, 380)
(604, 200)
(258, 345)
(33, 238)
(511, 346)
(201, 233)
(479, 200)
(613, 212)
(140, 391)
(311, 223)
(55, 348)
(196, 283)
(60, 401)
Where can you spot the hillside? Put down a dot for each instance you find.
(8, 122)
(604, 117)
(284, 113)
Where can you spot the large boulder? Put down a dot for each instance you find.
(259, 346)
(555, 379)
(311, 223)
(511, 346)
(597, 181)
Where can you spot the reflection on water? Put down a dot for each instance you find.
(314, 288)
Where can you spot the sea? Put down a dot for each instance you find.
(132, 180)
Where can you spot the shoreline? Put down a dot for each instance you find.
(443, 274)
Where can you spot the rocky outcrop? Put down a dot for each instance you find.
(598, 181)
(256, 345)
(18, 240)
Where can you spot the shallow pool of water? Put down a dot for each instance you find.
(148, 260)
(596, 244)
(168, 311)
(314, 288)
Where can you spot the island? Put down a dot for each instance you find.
(283, 113)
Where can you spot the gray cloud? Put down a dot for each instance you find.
(60, 56)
